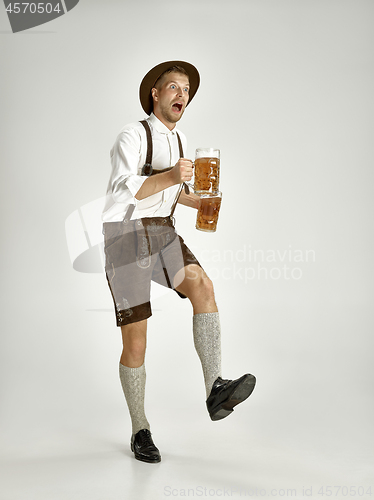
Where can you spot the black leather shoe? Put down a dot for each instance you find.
(144, 448)
(226, 394)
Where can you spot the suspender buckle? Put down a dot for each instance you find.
(147, 169)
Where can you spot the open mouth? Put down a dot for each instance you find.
(177, 106)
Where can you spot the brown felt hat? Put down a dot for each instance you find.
(153, 75)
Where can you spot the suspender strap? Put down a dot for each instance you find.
(149, 142)
(184, 185)
(149, 156)
(147, 168)
(181, 155)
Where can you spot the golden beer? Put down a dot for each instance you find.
(207, 165)
(207, 213)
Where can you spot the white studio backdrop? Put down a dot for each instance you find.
(286, 94)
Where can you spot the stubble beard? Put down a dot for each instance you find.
(170, 116)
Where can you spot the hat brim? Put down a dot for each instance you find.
(152, 76)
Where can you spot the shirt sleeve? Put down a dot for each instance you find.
(125, 157)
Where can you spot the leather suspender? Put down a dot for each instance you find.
(148, 169)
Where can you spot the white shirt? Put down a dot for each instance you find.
(128, 156)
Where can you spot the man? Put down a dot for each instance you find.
(149, 172)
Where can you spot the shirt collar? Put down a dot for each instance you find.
(159, 126)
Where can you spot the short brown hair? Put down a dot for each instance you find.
(173, 69)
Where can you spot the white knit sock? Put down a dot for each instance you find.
(133, 385)
(207, 340)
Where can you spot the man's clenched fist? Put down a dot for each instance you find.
(182, 171)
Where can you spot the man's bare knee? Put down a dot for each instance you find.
(134, 340)
(204, 289)
(189, 276)
(198, 288)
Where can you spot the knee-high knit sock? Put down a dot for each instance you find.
(133, 385)
(207, 340)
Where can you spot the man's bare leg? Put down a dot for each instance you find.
(222, 395)
(133, 376)
(134, 340)
(206, 325)
(197, 287)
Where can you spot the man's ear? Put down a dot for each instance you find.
(154, 94)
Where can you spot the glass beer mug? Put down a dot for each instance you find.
(207, 213)
(206, 172)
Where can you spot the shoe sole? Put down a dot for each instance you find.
(239, 394)
(144, 459)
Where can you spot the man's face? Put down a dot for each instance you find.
(171, 98)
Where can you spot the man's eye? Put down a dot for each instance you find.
(186, 90)
(172, 86)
